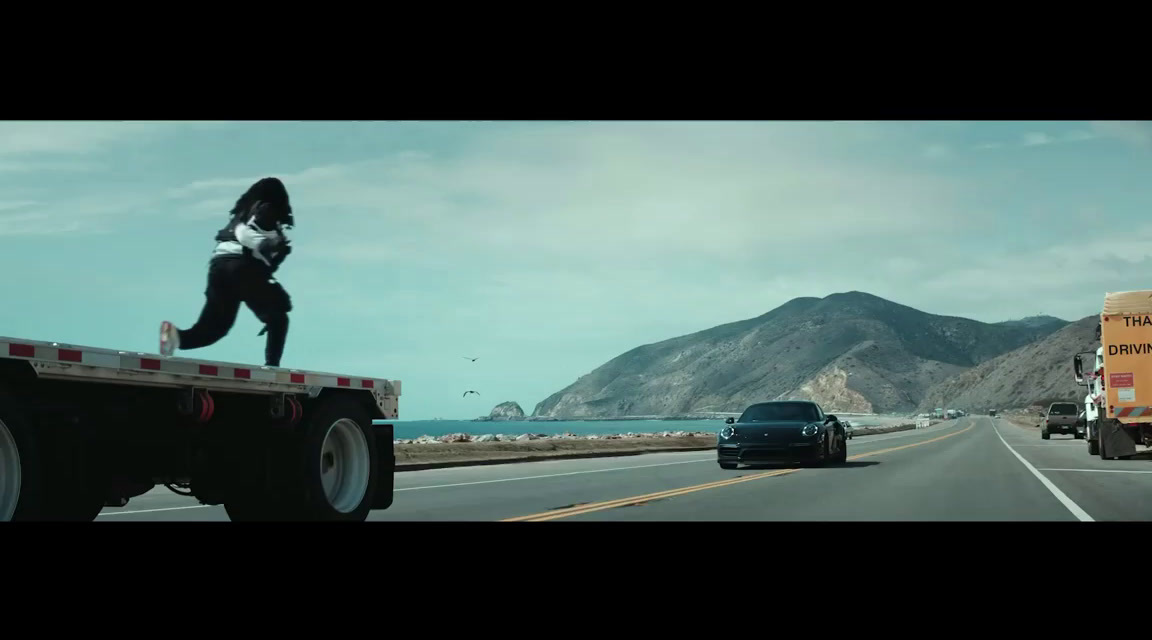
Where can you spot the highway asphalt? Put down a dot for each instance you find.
(972, 469)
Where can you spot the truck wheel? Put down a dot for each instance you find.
(40, 478)
(339, 465)
(19, 469)
(11, 472)
(326, 471)
(1044, 435)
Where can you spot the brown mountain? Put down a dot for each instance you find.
(850, 351)
(1037, 373)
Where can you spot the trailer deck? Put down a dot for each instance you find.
(54, 360)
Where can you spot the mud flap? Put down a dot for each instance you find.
(1116, 441)
(386, 465)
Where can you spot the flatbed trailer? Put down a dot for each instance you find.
(82, 428)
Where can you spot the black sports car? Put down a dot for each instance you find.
(788, 431)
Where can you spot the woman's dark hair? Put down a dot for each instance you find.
(269, 190)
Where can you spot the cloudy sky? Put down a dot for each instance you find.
(547, 248)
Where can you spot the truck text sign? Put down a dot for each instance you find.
(1118, 380)
(1127, 342)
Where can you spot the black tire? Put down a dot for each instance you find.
(57, 483)
(1100, 446)
(729, 465)
(824, 457)
(30, 488)
(308, 500)
(1044, 435)
(842, 455)
(1093, 447)
(293, 490)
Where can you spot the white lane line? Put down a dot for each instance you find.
(124, 513)
(1070, 444)
(1100, 470)
(1064, 500)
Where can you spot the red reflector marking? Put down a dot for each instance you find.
(70, 355)
(367, 384)
(209, 370)
(243, 373)
(298, 378)
(147, 363)
(344, 382)
(22, 350)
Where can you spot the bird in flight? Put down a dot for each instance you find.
(467, 392)
(472, 359)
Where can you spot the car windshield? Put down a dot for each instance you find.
(1063, 410)
(780, 411)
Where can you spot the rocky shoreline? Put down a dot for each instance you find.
(524, 437)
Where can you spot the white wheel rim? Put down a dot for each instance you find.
(9, 473)
(344, 465)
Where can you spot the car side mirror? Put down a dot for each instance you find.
(729, 420)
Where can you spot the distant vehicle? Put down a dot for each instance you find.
(1061, 418)
(992, 413)
(786, 431)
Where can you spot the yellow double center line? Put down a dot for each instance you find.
(624, 502)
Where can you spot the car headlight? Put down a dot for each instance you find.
(726, 433)
(810, 430)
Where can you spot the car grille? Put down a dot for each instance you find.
(768, 453)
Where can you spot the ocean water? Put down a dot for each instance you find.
(406, 429)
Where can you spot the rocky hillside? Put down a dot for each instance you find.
(1037, 373)
(507, 411)
(1037, 322)
(849, 351)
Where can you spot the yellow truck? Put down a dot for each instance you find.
(1118, 375)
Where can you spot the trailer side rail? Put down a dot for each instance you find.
(74, 362)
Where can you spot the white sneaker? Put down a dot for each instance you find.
(169, 339)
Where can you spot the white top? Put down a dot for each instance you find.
(248, 235)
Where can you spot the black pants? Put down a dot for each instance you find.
(230, 282)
